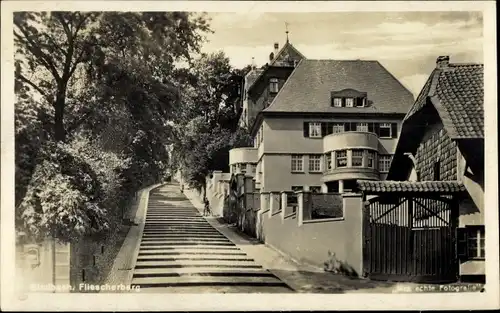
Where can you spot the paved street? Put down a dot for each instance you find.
(181, 252)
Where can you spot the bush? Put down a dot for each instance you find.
(63, 199)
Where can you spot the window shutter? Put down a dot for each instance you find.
(358, 102)
(347, 127)
(376, 127)
(306, 129)
(370, 127)
(343, 102)
(324, 129)
(394, 130)
(353, 126)
(332, 100)
(329, 129)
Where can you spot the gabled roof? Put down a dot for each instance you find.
(309, 87)
(286, 49)
(453, 94)
(251, 77)
(457, 93)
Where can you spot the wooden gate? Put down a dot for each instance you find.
(411, 238)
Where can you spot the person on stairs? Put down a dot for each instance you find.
(206, 210)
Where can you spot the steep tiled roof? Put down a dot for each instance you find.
(422, 97)
(407, 186)
(288, 48)
(251, 77)
(309, 87)
(457, 93)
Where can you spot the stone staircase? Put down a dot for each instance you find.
(181, 252)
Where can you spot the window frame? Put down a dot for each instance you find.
(363, 102)
(387, 158)
(315, 130)
(274, 85)
(328, 161)
(479, 247)
(243, 168)
(337, 158)
(337, 102)
(336, 126)
(385, 125)
(349, 102)
(316, 160)
(296, 158)
(359, 157)
(315, 187)
(370, 156)
(365, 126)
(436, 170)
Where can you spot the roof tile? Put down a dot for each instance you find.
(309, 87)
(406, 186)
(457, 92)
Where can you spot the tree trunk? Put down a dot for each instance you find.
(59, 131)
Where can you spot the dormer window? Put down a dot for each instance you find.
(273, 85)
(360, 102)
(337, 102)
(348, 98)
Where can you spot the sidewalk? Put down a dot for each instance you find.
(121, 271)
(302, 278)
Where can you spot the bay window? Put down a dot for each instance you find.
(341, 158)
(357, 158)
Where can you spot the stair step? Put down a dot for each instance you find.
(225, 273)
(149, 282)
(188, 263)
(201, 257)
(167, 253)
(186, 243)
(166, 239)
(194, 270)
(189, 248)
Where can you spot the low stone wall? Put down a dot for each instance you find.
(334, 241)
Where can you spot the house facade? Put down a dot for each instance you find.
(442, 139)
(331, 123)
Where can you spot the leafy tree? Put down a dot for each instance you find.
(95, 91)
(207, 127)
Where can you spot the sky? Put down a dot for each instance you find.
(406, 43)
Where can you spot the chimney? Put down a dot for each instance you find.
(253, 63)
(442, 62)
(276, 48)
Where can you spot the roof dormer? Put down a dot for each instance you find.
(349, 98)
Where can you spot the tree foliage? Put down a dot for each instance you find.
(94, 94)
(207, 127)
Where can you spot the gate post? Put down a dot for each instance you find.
(454, 222)
(366, 236)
